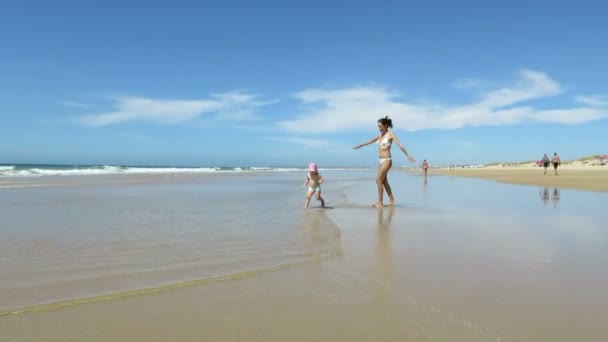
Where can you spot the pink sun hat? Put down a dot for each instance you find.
(312, 167)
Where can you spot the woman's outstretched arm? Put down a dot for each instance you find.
(395, 139)
(370, 141)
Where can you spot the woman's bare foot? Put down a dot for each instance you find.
(377, 205)
(390, 204)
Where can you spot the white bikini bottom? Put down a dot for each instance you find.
(382, 160)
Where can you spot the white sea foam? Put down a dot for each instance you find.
(67, 170)
(169, 170)
(23, 171)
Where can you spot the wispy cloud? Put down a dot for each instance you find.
(356, 108)
(531, 85)
(139, 137)
(470, 83)
(359, 107)
(234, 106)
(74, 104)
(327, 146)
(593, 100)
(465, 144)
(301, 141)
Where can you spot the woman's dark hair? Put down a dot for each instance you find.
(386, 121)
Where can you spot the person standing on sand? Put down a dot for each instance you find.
(425, 167)
(384, 141)
(556, 162)
(545, 163)
(314, 181)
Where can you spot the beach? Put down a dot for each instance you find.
(233, 256)
(569, 177)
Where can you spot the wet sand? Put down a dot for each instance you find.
(594, 179)
(236, 258)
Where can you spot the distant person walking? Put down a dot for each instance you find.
(385, 140)
(546, 162)
(425, 167)
(556, 162)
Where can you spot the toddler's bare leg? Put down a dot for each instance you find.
(308, 196)
(320, 198)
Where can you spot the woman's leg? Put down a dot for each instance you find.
(389, 192)
(380, 179)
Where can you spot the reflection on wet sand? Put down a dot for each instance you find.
(544, 196)
(547, 195)
(555, 197)
(385, 267)
(323, 234)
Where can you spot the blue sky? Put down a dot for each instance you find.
(282, 83)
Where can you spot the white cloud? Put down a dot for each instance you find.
(568, 116)
(359, 108)
(470, 83)
(466, 144)
(593, 100)
(531, 85)
(232, 106)
(74, 104)
(138, 137)
(300, 141)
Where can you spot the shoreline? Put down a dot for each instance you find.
(578, 178)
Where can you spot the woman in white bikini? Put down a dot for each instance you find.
(384, 141)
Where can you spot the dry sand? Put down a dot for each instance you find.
(573, 176)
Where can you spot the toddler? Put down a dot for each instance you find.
(314, 181)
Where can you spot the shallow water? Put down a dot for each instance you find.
(235, 257)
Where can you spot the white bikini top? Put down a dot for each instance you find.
(385, 141)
